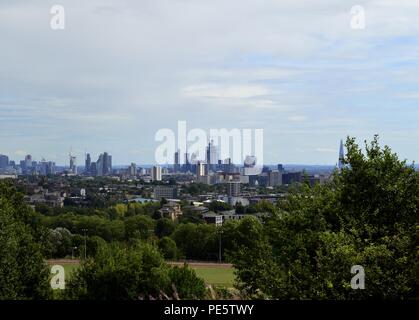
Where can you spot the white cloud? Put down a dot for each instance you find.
(326, 150)
(123, 69)
(20, 153)
(224, 91)
(297, 118)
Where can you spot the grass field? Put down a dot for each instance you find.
(221, 276)
(69, 268)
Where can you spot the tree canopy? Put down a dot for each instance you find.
(23, 271)
(367, 215)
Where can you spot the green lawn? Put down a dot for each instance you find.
(222, 277)
(69, 268)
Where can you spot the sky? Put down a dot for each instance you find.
(121, 70)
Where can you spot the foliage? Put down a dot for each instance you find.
(130, 273)
(186, 282)
(168, 248)
(217, 206)
(197, 241)
(59, 242)
(366, 216)
(23, 272)
(139, 227)
(164, 227)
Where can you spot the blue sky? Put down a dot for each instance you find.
(121, 70)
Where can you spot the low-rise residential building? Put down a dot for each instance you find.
(170, 210)
(167, 192)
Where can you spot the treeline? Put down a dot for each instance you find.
(189, 237)
(368, 216)
(132, 269)
(66, 236)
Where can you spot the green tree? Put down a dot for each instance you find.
(139, 227)
(240, 209)
(168, 248)
(119, 273)
(23, 271)
(130, 273)
(197, 241)
(60, 242)
(367, 215)
(186, 283)
(164, 227)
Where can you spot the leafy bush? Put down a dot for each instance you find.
(187, 284)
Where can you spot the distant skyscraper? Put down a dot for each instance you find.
(93, 170)
(132, 170)
(4, 161)
(28, 161)
(176, 167)
(46, 168)
(104, 165)
(99, 166)
(73, 165)
(211, 156)
(107, 164)
(341, 155)
(156, 173)
(88, 163)
(187, 164)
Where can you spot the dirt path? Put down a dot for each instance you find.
(193, 264)
(63, 262)
(202, 264)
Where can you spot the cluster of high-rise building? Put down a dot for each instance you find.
(211, 170)
(212, 162)
(27, 166)
(102, 167)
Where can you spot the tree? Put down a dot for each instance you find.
(130, 273)
(186, 283)
(367, 215)
(164, 227)
(240, 209)
(138, 227)
(119, 273)
(168, 248)
(60, 242)
(23, 271)
(217, 206)
(197, 241)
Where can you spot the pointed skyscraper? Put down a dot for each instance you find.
(341, 155)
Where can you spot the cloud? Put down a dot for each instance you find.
(297, 118)
(123, 69)
(20, 153)
(225, 92)
(325, 150)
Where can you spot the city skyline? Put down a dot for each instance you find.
(122, 70)
(86, 160)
